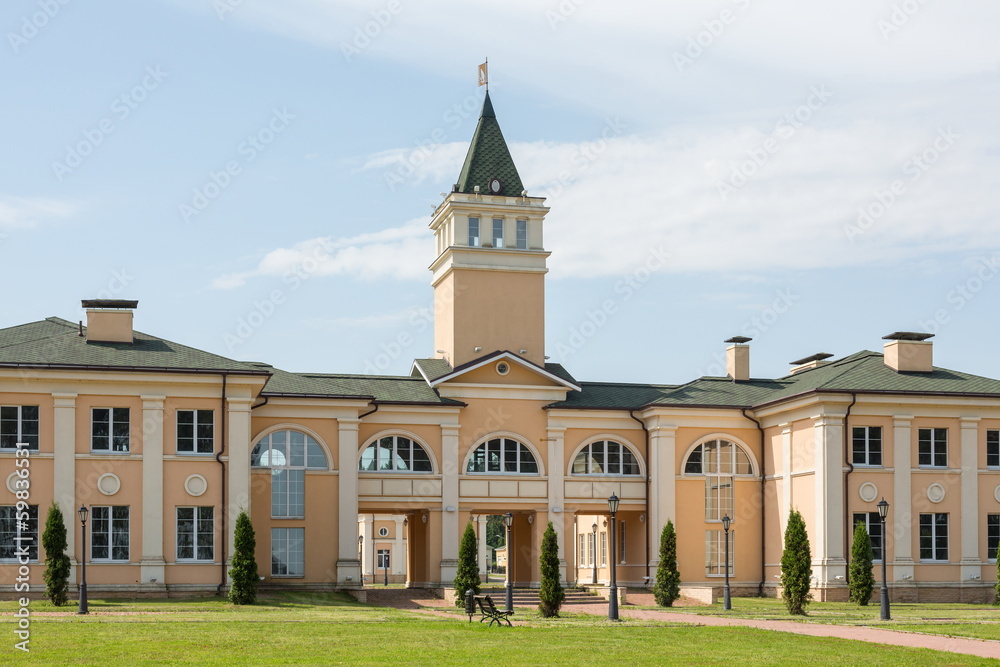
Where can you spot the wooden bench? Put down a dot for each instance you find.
(490, 611)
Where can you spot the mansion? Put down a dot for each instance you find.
(353, 478)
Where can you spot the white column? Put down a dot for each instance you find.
(64, 469)
(827, 528)
(484, 549)
(663, 484)
(900, 522)
(971, 565)
(238, 465)
(557, 489)
(786, 482)
(367, 534)
(152, 563)
(449, 502)
(399, 549)
(348, 567)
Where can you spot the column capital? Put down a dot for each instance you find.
(663, 430)
(152, 402)
(902, 421)
(970, 422)
(347, 424)
(450, 429)
(238, 403)
(64, 400)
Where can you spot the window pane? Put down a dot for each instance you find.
(528, 464)
(694, 465)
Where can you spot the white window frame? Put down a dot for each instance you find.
(992, 535)
(474, 238)
(715, 553)
(871, 519)
(586, 459)
(583, 549)
(12, 527)
(935, 445)
(498, 226)
(115, 526)
(521, 234)
(200, 537)
(604, 548)
(378, 448)
(281, 541)
(869, 447)
(521, 448)
(197, 440)
(934, 536)
(110, 445)
(621, 542)
(384, 559)
(993, 448)
(20, 436)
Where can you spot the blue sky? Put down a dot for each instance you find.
(260, 174)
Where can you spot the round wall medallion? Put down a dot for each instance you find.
(503, 368)
(383, 532)
(12, 479)
(868, 492)
(935, 493)
(195, 485)
(109, 484)
(996, 493)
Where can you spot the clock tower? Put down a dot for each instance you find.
(488, 277)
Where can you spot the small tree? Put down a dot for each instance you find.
(244, 569)
(57, 564)
(995, 586)
(467, 575)
(796, 566)
(551, 594)
(862, 579)
(668, 578)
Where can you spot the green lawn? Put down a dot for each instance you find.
(950, 619)
(325, 629)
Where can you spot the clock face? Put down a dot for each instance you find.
(495, 186)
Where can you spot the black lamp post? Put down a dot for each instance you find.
(385, 562)
(726, 603)
(508, 520)
(593, 554)
(883, 509)
(613, 604)
(84, 513)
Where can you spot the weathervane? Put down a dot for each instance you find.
(484, 79)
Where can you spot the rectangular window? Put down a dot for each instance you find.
(604, 549)
(288, 552)
(109, 535)
(18, 531)
(196, 533)
(621, 542)
(497, 232)
(992, 535)
(718, 497)
(522, 235)
(474, 232)
(715, 552)
(867, 445)
(592, 546)
(18, 423)
(873, 524)
(383, 559)
(109, 430)
(195, 431)
(288, 493)
(583, 549)
(934, 537)
(993, 449)
(933, 447)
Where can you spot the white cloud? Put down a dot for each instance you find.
(398, 253)
(28, 212)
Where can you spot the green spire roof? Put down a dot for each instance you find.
(489, 158)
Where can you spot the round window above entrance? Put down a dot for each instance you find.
(503, 368)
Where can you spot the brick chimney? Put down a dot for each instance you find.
(738, 358)
(109, 320)
(909, 352)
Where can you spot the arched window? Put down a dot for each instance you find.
(394, 453)
(502, 455)
(288, 454)
(719, 461)
(605, 457)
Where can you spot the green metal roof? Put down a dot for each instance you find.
(378, 388)
(488, 157)
(56, 343)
